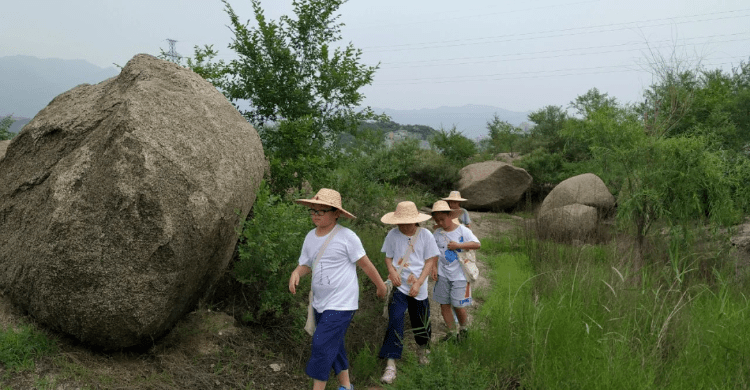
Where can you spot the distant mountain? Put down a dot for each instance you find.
(18, 123)
(28, 84)
(471, 120)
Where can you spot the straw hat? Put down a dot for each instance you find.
(326, 197)
(455, 195)
(406, 212)
(442, 205)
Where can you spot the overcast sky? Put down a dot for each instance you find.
(519, 56)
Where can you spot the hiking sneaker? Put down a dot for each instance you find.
(450, 336)
(351, 387)
(389, 375)
(463, 335)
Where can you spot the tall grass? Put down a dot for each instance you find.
(565, 317)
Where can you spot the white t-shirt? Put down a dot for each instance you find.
(395, 246)
(334, 279)
(448, 262)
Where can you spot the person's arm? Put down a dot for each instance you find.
(464, 245)
(373, 274)
(429, 264)
(298, 272)
(392, 272)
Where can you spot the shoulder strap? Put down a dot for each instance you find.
(409, 250)
(325, 244)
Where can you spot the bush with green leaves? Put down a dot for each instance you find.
(5, 124)
(453, 145)
(296, 152)
(269, 249)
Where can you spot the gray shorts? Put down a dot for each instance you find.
(457, 293)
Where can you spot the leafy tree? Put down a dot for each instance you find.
(291, 73)
(548, 121)
(592, 101)
(503, 135)
(453, 145)
(289, 69)
(5, 124)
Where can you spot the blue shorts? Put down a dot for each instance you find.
(456, 293)
(328, 344)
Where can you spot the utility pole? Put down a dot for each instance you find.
(172, 54)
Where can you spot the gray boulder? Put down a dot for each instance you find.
(492, 185)
(569, 221)
(586, 189)
(120, 203)
(3, 147)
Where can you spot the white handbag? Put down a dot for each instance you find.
(468, 261)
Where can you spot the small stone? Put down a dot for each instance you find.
(276, 367)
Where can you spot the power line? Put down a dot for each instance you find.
(641, 46)
(529, 74)
(565, 32)
(411, 23)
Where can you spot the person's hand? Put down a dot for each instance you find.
(454, 245)
(414, 291)
(394, 277)
(381, 291)
(434, 274)
(293, 282)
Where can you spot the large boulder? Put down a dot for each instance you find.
(120, 203)
(492, 185)
(586, 189)
(574, 221)
(3, 147)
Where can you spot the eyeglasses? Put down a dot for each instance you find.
(319, 212)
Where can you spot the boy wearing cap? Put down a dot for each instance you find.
(410, 255)
(454, 200)
(451, 288)
(334, 285)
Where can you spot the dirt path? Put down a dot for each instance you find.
(484, 225)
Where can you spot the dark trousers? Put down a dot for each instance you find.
(419, 315)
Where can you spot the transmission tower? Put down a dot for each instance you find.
(172, 54)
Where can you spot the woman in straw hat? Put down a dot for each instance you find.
(452, 291)
(454, 200)
(410, 255)
(334, 284)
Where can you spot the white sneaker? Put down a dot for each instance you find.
(389, 375)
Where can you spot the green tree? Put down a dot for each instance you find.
(548, 121)
(290, 69)
(453, 145)
(503, 135)
(5, 124)
(302, 90)
(592, 101)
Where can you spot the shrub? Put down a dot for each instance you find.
(268, 252)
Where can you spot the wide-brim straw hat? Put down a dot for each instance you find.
(455, 195)
(406, 212)
(326, 197)
(442, 205)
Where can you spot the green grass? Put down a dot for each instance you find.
(567, 317)
(19, 347)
